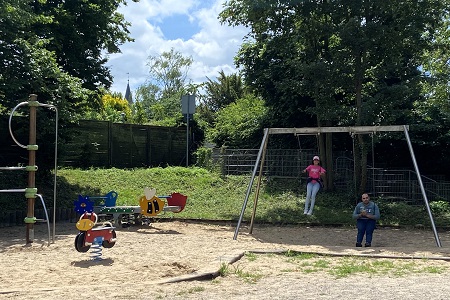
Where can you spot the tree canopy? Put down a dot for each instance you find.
(55, 49)
(161, 95)
(340, 62)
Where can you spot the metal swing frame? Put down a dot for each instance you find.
(317, 130)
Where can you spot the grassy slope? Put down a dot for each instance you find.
(210, 196)
(213, 197)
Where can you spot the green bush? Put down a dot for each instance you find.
(440, 207)
(203, 157)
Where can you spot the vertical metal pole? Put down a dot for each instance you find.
(373, 166)
(56, 173)
(31, 173)
(55, 176)
(354, 166)
(419, 178)
(187, 132)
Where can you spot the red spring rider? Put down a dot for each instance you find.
(85, 238)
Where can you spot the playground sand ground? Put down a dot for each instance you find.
(166, 260)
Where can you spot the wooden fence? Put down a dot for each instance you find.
(101, 144)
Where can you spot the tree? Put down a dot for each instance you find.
(224, 91)
(169, 71)
(161, 95)
(50, 48)
(56, 49)
(239, 123)
(113, 109)
(431, 114)
(80, 32)
(217, 95)
(146, 94)
(138, 115)
(27, 66)
(343, 62)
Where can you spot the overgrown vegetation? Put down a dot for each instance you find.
(212, 196)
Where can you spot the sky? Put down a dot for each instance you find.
(190, 27)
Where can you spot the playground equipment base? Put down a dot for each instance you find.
(124, 216)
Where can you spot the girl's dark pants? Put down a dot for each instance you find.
(365, 226)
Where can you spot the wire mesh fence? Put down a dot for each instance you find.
(390, 184)
(277, 162)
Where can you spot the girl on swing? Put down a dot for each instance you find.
(314, 182)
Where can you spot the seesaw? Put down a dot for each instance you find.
(150, 205)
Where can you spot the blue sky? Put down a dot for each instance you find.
(190, 27)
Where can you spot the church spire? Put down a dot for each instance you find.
(128, 95)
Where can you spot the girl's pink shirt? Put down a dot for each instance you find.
(315, 172)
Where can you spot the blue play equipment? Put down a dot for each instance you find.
(87, 203)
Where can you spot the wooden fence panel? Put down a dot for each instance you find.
(88, 145)
(129, 146)
(101, 144)
(165, 148)
(105, 144)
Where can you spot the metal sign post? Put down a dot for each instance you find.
(187, 109)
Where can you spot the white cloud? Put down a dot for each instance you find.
(212, 48)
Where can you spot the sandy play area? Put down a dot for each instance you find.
(180, 260)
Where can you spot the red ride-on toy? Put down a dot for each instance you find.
(88, 233)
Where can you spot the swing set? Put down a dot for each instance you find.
(316, 131)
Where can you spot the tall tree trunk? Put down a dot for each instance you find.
(356, 166)
(364, 151)
(358, 141)
(328, 160)
(326, 156)
(360, 154)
